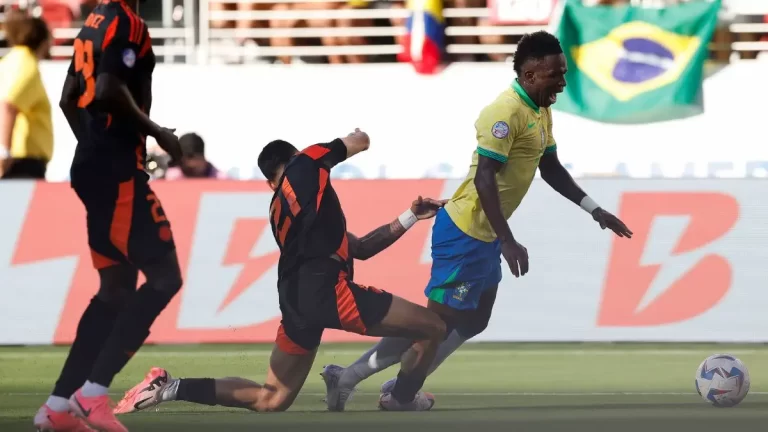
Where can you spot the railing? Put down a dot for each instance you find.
(173, 39)
(188, 34)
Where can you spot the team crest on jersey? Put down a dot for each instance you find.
(129, 57)
(461, 291)
(500, 129)
(635, 58)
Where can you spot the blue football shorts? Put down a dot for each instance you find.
(463, 267)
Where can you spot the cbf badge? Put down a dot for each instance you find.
(461, 291)
(500, 129)
(129, 57)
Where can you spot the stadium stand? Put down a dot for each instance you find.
(360, 31)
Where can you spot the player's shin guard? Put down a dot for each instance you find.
(197, 390)
(94, 328)
(129, 333)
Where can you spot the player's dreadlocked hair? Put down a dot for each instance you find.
(273, 155)
(535, 46)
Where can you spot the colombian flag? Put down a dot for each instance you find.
(425, 39)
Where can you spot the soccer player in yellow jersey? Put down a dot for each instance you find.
(514, 138)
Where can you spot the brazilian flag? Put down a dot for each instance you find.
(635, 65)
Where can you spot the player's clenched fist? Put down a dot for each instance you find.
(516, 256)
(356, 142)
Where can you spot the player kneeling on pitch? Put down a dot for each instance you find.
(316, 291)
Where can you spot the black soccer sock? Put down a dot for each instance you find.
(197, 390)
(93, 330)
(406, 386)
(129, 333)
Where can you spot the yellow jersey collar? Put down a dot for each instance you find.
(524, 96)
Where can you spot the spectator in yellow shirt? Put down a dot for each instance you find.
(26, 132)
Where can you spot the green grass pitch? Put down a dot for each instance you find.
(483, 387)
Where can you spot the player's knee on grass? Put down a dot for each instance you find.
(272, 400)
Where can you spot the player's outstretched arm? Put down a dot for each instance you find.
(386, 235)
(554, 173)
(356, 142)
(514, 253)
(68, 103)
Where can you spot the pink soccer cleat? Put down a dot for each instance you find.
(145, 394)
(96, 411)
(48, 420)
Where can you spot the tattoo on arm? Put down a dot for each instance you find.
(375, 241)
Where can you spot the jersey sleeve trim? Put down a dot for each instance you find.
(492, 155)
(550, 149)
(109, 36)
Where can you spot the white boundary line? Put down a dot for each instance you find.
(482, 394)
(22, 354)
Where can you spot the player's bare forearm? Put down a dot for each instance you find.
(557, 177)
(68, 104)
(115, 97)
(375, 241)
(488, 191)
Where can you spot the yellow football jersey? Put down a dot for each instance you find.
(516, 132)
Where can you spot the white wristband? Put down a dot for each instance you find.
(588, 204)
(407, 219)
(3, 153)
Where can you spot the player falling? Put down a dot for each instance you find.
(316, 290)
(106, 100)
(514, 136)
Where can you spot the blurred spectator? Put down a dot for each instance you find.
(193, 163)
(282, 41)
(26, 132)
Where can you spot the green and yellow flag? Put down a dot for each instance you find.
(635, 65)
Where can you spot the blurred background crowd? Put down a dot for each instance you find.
(343, 31)
(359, 31)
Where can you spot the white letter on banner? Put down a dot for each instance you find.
(209, 281)
(32, 295)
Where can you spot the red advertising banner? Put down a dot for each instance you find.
(696, 260)
(55, 227)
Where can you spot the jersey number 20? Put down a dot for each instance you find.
(84, 65)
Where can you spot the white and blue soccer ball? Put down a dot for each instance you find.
(722, 380)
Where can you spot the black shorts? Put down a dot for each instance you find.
(126, 223)
(319, 296)
(26, 168)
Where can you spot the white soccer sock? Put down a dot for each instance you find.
(448, 347)
(169, 392)
(383, 355)
(91, 389)
(57, 403)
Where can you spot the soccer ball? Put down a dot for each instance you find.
(722, 380)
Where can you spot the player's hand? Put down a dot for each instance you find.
(361, 139)
(169, 142)
(426, 208)
(607, 220)
(516, 256)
